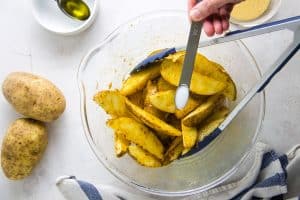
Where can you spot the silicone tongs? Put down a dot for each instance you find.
(292, 24)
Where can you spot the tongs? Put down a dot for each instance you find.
(292, 24)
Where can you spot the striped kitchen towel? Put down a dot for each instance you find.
(264, 176)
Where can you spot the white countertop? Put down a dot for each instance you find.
(25, 46)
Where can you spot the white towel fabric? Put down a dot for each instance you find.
(263, 176)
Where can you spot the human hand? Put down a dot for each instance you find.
(215, 14)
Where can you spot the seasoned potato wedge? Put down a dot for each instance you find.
(121, 144)
(173, 121)
(174, 151)
(112, 102)
(211, 69)
(190, 106)
(150, 89)
(208, 128)
(189, 136)
(185, 151)
(143, 157)
(200, 84)
(222, 112)
(137, 81)
(209, 125)
(152, 121)
(137, 98)
(164, 101)
(203, 111)
(137, 133)
(163, 85)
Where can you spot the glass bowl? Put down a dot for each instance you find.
(110, 62)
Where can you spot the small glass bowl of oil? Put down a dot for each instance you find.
(48, 14)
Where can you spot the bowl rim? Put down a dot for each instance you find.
(120, 176)
(73, 31)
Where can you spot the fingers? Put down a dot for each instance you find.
(215, 25)
(217, 22)
(191, 4)
(225, 23)
(208, 27)
(207, 7)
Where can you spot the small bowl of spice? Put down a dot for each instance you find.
(65, 17)
(250, 13)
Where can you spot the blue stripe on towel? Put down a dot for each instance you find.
(278, 179)
(90, 190)
(268, 158)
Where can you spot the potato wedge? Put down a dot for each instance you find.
(200, 84)
(209, 125)
(152, 121)
(174, 151)
(185, 151)
(138, 134)
(143, 157)
(163, 85)
(207, 129)
(190, 106)
(151, 88)
(216, 71)
(164, 101)
(222, 112)
(112, 102)
(189, 136)
(137, 81)
(121, 144)
(137, 98)
(203, 111)
(173, 121)
(211, 69)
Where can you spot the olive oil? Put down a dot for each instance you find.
(75, 8)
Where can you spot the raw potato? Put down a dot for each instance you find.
(189, 136)
(200, 84)
(152, 121)
(137, 81)
(112, 102)
(121, 144)
(143, 157)
(212, 123)
(213, 70)
(22, 148)
(34, 96)
(139, 134)
(203, 111)
(164, 101)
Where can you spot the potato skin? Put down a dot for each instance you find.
(23, 147)
(34, 96)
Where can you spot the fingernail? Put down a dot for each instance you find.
(195, 14)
